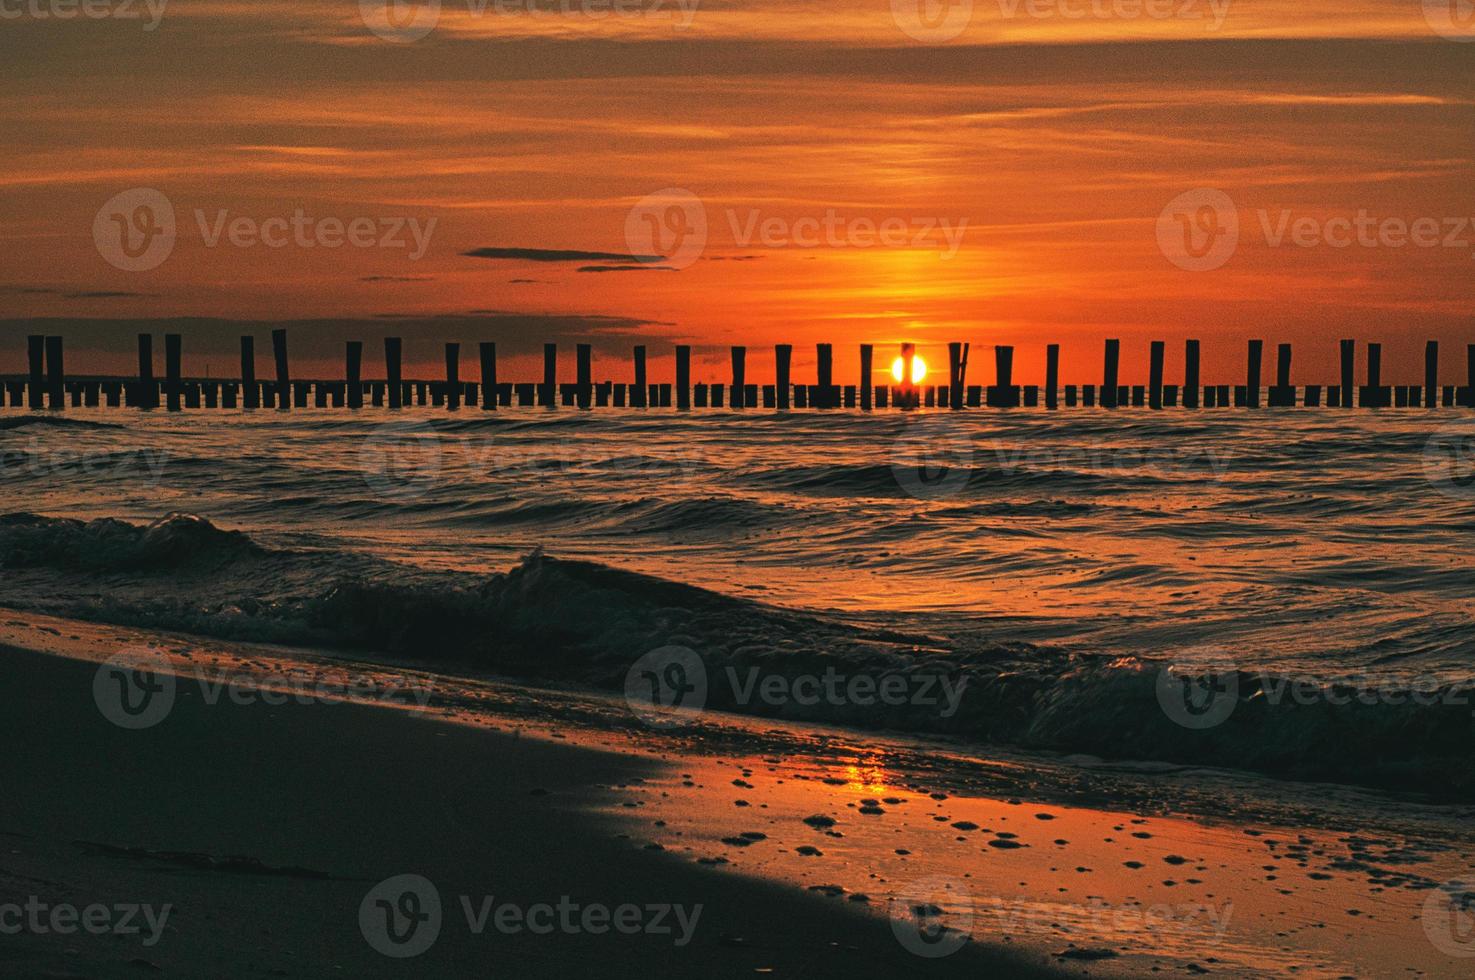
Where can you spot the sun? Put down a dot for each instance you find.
(919, 370)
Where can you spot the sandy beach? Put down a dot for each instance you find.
(280, 792)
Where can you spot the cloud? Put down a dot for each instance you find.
(74, 294)
(626, 268)
(396, 279)
(557, 255)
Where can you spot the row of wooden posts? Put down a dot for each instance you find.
(47, 385)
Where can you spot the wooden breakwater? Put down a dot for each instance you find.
(46, 384)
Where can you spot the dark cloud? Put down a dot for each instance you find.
(557, 255)
(73, 294)
(396, 279)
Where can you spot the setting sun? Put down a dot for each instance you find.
(919, 370)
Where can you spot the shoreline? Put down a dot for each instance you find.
(534, 787)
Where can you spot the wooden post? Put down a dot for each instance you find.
(908, 396)
(354, 372)
(251, 394)
(488, 352)
(1372, 395)
(638, 389)
(1252, 373)
(957, 373)
(1469, 399)
(1192, 392)
(1002, 394)
(549, 390)
(1109, 382)
(56, 374)
(1052, 377)
(683, 376)
(172, 356)
(147, 392)
(739, 375)
(36, 356)
(584, 374)
(783, 359)
(1431, 374)
(453, 377)
(825, 357)
(1349, 352)
(393, 371)
(284, 374)
(1155, 374)
(867, 353)
(1283, 395)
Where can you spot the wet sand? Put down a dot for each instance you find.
(811, 852)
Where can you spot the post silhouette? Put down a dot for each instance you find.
(783, 358)
(251, 394)
(1052, 377)
(1349, 354)
(584, 374)
(548, 393)
(683, 376)
(1283, 395)
(1109, 381)
(825, 360)
(354, 370)
(36, 358)
(393, 366)
(172, 356)
(453, 377)
(1431, 374)
(56, 374)
(1002, 394)
(957, 373)
(1155, 374)
(488, 351)
(1252, 373)
(739, 376)
(1192, 390)
(637, 393)
(284, 374)
(866, 387)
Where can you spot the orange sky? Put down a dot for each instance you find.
(1023, 166)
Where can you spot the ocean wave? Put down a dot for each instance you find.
(584, 622)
